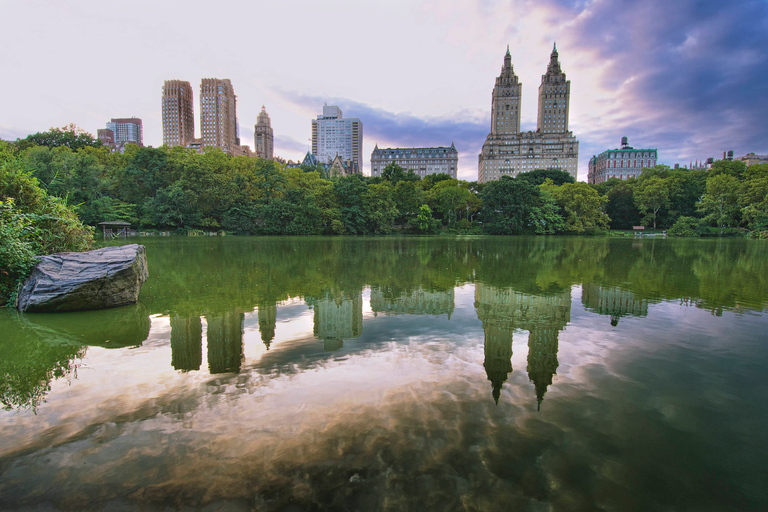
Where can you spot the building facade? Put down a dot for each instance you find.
(623, 163)
(333, 135)
(218, 114)
(106, 137)
(178, 113)
(753, 159)
(423, 161)
(507, 150)
(126, 130)
(263, 137)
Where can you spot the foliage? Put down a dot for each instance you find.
(685, 227)
(508, 205)
(69, 136)
(539, 176)
(31, 223)
(583, 208)
(651, 195)
(720, 204)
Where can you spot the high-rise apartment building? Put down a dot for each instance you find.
(218, 114)
(334, 135)
(178, 113)
(263, 137)
(423, 161)
(126, 130)
(507, 150)
(624, 163)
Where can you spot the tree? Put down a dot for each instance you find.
(379, 205)
(409, 197)
(754, 197)
(69, 136)
(539, 176)
(424, 221)
(651, 195)
(583, 208)
(720, 204)
(508, 204)
(621, 206)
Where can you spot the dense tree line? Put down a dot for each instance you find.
(181, 190)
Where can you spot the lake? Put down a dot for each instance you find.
(471, 373)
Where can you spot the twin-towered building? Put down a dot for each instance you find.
(219, 126)
(508, 151)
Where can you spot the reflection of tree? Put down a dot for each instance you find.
(186, 343)
(225, 342)
(267, 320)
(338, 318)
(502, 310)
(29, 363)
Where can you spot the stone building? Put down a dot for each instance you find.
(334, 135)
(263, 137)
(178, 113)
(623, 163)
(507, 150)
(423, 161)
(218, 114)
(612, 301)
(106, 137)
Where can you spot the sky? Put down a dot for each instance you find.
(686, 77)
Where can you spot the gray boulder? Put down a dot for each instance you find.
(77, 281)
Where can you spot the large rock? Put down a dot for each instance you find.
(77, 281)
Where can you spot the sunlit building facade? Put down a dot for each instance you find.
(423, 161)
(623, 163)
(178, 113)
(334, 135)
(508, 151)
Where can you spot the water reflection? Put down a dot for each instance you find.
(355, 375)
(612, 301)
(338, 317)
(504, 310)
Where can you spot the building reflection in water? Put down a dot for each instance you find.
(612, 301)
(186, 342)
(417, 302)
(338, 317)
(501, 311)
(225, 342)
(267, 321)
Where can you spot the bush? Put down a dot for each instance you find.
(685, 227)
(31, 223)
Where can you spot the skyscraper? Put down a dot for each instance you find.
(507, 150)
(333, 135)
(263, 137)
(126, 130)
(178, 113)
(218, 114)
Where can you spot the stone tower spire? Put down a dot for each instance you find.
(554, 98)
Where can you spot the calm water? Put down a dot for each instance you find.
(400, 374)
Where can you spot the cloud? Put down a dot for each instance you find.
(686, 76)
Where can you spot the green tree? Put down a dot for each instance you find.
(424, 220)
(69, 136)
(685, 227)
(651, 195)
(621, 207)
(583, 208)
(409, 198)
(508, 204)
(380, 207)
(720, 204)
(539, 176)
(754, 197)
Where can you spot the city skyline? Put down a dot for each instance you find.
(683, 78)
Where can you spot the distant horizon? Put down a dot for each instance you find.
(683, 78)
